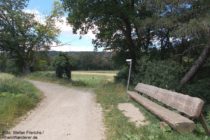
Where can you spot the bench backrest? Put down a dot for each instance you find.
(191, 106)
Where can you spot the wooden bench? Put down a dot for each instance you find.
(176, 109)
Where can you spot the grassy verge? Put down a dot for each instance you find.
(17, 97)
(118, 127)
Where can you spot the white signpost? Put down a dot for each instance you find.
(129, 61)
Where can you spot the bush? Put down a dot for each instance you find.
(199, 88)
(41, 65)
(62, 66)
(11, 67)
(122, 76)
(165, 74)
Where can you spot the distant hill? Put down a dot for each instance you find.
(106, 54)
(88, 60)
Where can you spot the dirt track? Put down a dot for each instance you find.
(64, 114)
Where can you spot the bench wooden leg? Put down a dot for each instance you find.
(204, 124)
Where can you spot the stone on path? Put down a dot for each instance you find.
(133, 113)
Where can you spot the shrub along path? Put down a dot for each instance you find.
(64, 113)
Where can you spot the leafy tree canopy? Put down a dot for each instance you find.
(21, 34)
(130, 27)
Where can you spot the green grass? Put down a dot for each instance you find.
(17, 97)
(109, 95)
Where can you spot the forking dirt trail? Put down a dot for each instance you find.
(64, 114)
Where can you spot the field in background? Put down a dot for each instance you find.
(109, 74)
(17, 97)
(93, 78)
(109, 94)
(79, 78)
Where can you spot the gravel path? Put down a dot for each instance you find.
(64, 114)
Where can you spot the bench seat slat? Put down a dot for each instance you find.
(175, 120)
(191, 106)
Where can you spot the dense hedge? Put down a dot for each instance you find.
(167, 74)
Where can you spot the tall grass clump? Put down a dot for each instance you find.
(16, 98)
(6, 76)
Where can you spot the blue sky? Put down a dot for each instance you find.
(43, 7)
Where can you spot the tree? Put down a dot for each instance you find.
(191, 21)
(118, 24)
(62, 66)
(3, 61)
(21, 35)
(129, 27)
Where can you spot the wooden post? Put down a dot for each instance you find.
(129, 74)
(204, 124)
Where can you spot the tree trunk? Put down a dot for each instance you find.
(198, 63)
(24, 67)
(131, 45)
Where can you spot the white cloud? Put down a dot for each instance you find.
(66, 32)
(91, 35)
(38, 16)
(66, 28)
(72, 48)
